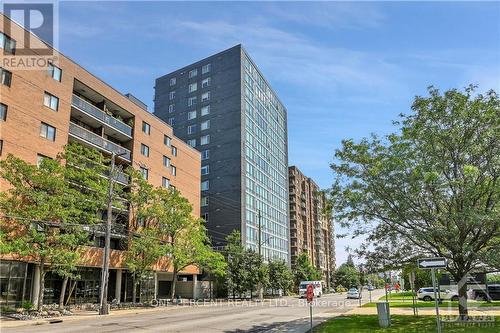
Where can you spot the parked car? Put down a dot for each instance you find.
(427, 294)
(370, 288)
(493, 290)
(353, 293)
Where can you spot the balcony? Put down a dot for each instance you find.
(96, 113)
(97, 141)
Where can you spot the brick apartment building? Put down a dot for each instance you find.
(41, 111)
(311, 231)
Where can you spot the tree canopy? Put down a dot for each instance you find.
(432, 188)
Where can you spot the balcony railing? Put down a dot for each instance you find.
(99, 114)
(98, 141)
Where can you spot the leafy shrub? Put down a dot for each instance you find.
(26, 305)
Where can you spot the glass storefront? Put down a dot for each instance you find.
(16, 285)
(15, 282)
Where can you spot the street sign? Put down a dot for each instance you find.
(310, 296)
(310, 293)
(429, 263)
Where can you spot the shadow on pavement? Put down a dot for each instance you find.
(294, 326)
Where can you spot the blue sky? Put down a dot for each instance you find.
(343, 69)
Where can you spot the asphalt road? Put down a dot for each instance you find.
(288, 314)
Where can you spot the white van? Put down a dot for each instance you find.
(318, 288)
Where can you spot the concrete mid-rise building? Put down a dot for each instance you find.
(43, 110)
(224, 107)
(311, 226)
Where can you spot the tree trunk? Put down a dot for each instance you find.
(134, 288)
(71, 289)
(63, 292)
(42, 285)
(172, 291)
(462, 299)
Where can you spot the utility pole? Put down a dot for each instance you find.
(103, 299)
(261, 292)
(260, 233)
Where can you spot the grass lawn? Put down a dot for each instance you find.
(407, 303)
(406, 324)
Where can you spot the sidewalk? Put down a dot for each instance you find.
(425, 311)
(77, 315)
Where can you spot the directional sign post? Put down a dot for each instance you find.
(433, 264)
(429, 263)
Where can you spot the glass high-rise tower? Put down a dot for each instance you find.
(224, 107)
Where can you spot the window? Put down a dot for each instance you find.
(174, 170)
(173, 81)
(171, 95)
(191, 129)
(205, 96)
(205, 110)
(144, 172)
(193, 73)
(193, 87)
(205, 154)
(55, 72)
(205, 217)
(146, 128)
(204, 201)
(7, 43)
(48, 132)
(171, 121)
(205, 125)
(1, 147)
(205, 69)
(51, 101)
(174, 151)
(166, 161)
(3, 112)
(205, 170)
(192, 100)
(205, 83)
(167, 141)
(204, 140)
(6, 77)
(205, 185)
(144, 150)
(171, 108)
(191, 115)
(165, 182)
(192, 142)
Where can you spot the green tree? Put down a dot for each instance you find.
(236, 275)
(304, 270)
(347, 276)
(49, 208)
(143, 252)
(256, 272)
(144, 245)
(184, 237)
(215, 265)
(431, 189)
(423, 277)
(280, 276)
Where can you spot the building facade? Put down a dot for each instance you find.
(311, 229)
(224, 107)
(43, 110)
